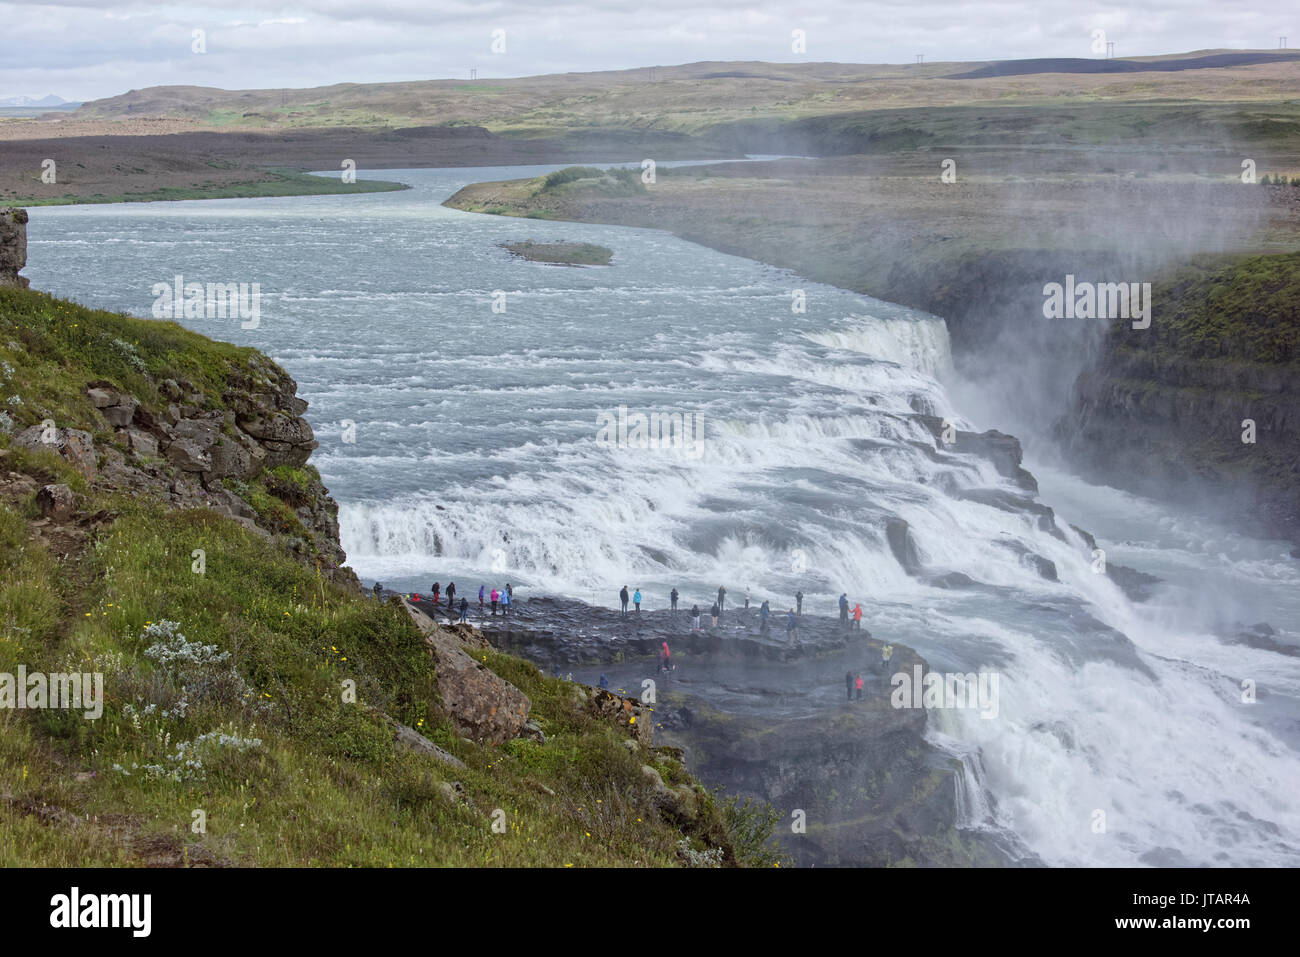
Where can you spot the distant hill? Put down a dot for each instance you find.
(26, 101)
(693, 98)
(1079, 65)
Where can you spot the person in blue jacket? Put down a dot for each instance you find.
(636, 600)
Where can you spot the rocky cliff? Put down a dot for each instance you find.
(1204, 406)
(242, 454)
(13, 246)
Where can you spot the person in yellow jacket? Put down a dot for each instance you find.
(886, 653)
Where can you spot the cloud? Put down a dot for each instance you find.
(83, 49)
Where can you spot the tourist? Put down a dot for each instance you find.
(673, 597)
(857, 617)
(505, 604)
(858, 685)
(436, 589)
(844, 609)
(480, 598)
(379, 590)
(464, 609)
(798, 603)
(496, 597)
(886, 653)
(695, 618)
(636, 600)
(604, 682)
(763, 612)
(510, 590)
(722, 598)
(848, 685)
(451, 594)
(664, 655)
(622, 598)
(714, 612)
(791, 627)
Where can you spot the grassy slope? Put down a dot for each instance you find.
(1229, 309)
(327, 785)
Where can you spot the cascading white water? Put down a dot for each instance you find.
(464, 444)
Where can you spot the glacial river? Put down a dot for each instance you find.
(465, 442)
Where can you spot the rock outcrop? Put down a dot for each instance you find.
(482, 704)
(195, 456)
(13, 246)
(1203, 407)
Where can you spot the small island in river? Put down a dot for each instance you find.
(561, 254)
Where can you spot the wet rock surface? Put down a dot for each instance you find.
(564, 632)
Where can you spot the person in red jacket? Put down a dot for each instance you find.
(857, 617)
(858, 684)
(496, 597)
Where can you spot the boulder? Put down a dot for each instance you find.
(290, 429)
(122, 413)
(56, 502)
(118, 408)
(227, 502)
(142, 443)
(480, 703)
(234, 459)
(73, 445)
(100, 398)
(412, 740)
(188, 456)
(899, 535)
(628, 713)
(282, 453)
(202, 432)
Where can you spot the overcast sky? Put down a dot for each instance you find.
(83, 49)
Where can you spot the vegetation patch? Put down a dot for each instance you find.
(559, 253)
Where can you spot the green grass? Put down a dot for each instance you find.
(1235, 308)
(610, 182)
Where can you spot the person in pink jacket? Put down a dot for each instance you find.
(496, 597)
